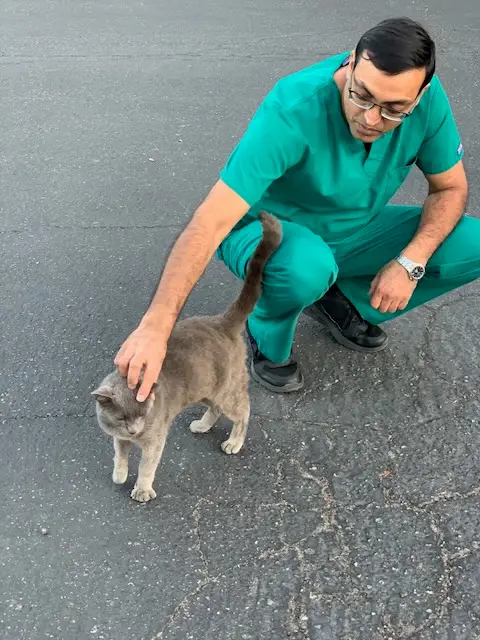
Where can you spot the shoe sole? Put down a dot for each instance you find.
(287, 388)
(335, 332)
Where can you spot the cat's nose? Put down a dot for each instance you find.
(135, 428)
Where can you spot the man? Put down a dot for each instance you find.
(325, 152)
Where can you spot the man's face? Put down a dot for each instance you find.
(396, 94)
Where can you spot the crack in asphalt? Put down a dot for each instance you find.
(296, 622)
(445, 598)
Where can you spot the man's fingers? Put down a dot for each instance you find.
(144, 349)
(385, 304)
(134, 370)
(149, 377)
(376, 300)
(123, 358)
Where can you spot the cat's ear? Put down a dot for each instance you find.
(103, 394)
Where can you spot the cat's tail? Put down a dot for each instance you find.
(237, 314)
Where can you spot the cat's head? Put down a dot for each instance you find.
(118, 411)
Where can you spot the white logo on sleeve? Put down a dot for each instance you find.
(459, 149)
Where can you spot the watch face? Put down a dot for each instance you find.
(418, 272)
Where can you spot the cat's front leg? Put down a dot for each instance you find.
(151, 454)
(120, 461)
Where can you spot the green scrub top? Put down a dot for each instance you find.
(299, 160)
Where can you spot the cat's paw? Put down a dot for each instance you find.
(199, 426)
(120, 475)
(143, 495)
(232, 445)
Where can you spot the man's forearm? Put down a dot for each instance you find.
(190, 256)
(441, 213)
(185, 265)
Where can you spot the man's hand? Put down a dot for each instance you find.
(391, 289)
(144, 347)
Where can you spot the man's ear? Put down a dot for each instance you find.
(425, 88)
(350, 65)
(420, 95)
(103, 394)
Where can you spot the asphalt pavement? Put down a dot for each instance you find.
(353, 512)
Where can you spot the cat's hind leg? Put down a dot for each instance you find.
(237, 409)
(205, 423)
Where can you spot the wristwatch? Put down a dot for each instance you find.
(415, 270)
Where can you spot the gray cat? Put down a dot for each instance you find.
(205, 364)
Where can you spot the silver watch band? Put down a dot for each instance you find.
(415, 270)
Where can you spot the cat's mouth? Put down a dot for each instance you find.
(136, 428)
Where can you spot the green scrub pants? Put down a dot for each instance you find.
(305, 266)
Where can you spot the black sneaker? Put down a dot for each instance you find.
(279, 378)
(345, 324)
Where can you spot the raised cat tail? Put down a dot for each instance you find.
(236, 315)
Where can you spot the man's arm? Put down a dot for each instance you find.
(147, 345)
(272, 143)
(442, 210)
(444, 206)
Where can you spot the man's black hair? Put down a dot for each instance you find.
(396, 45)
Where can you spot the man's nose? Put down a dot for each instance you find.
(373, 116)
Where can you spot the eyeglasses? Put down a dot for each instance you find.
(364, 103)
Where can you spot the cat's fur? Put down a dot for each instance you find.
(205, 363)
